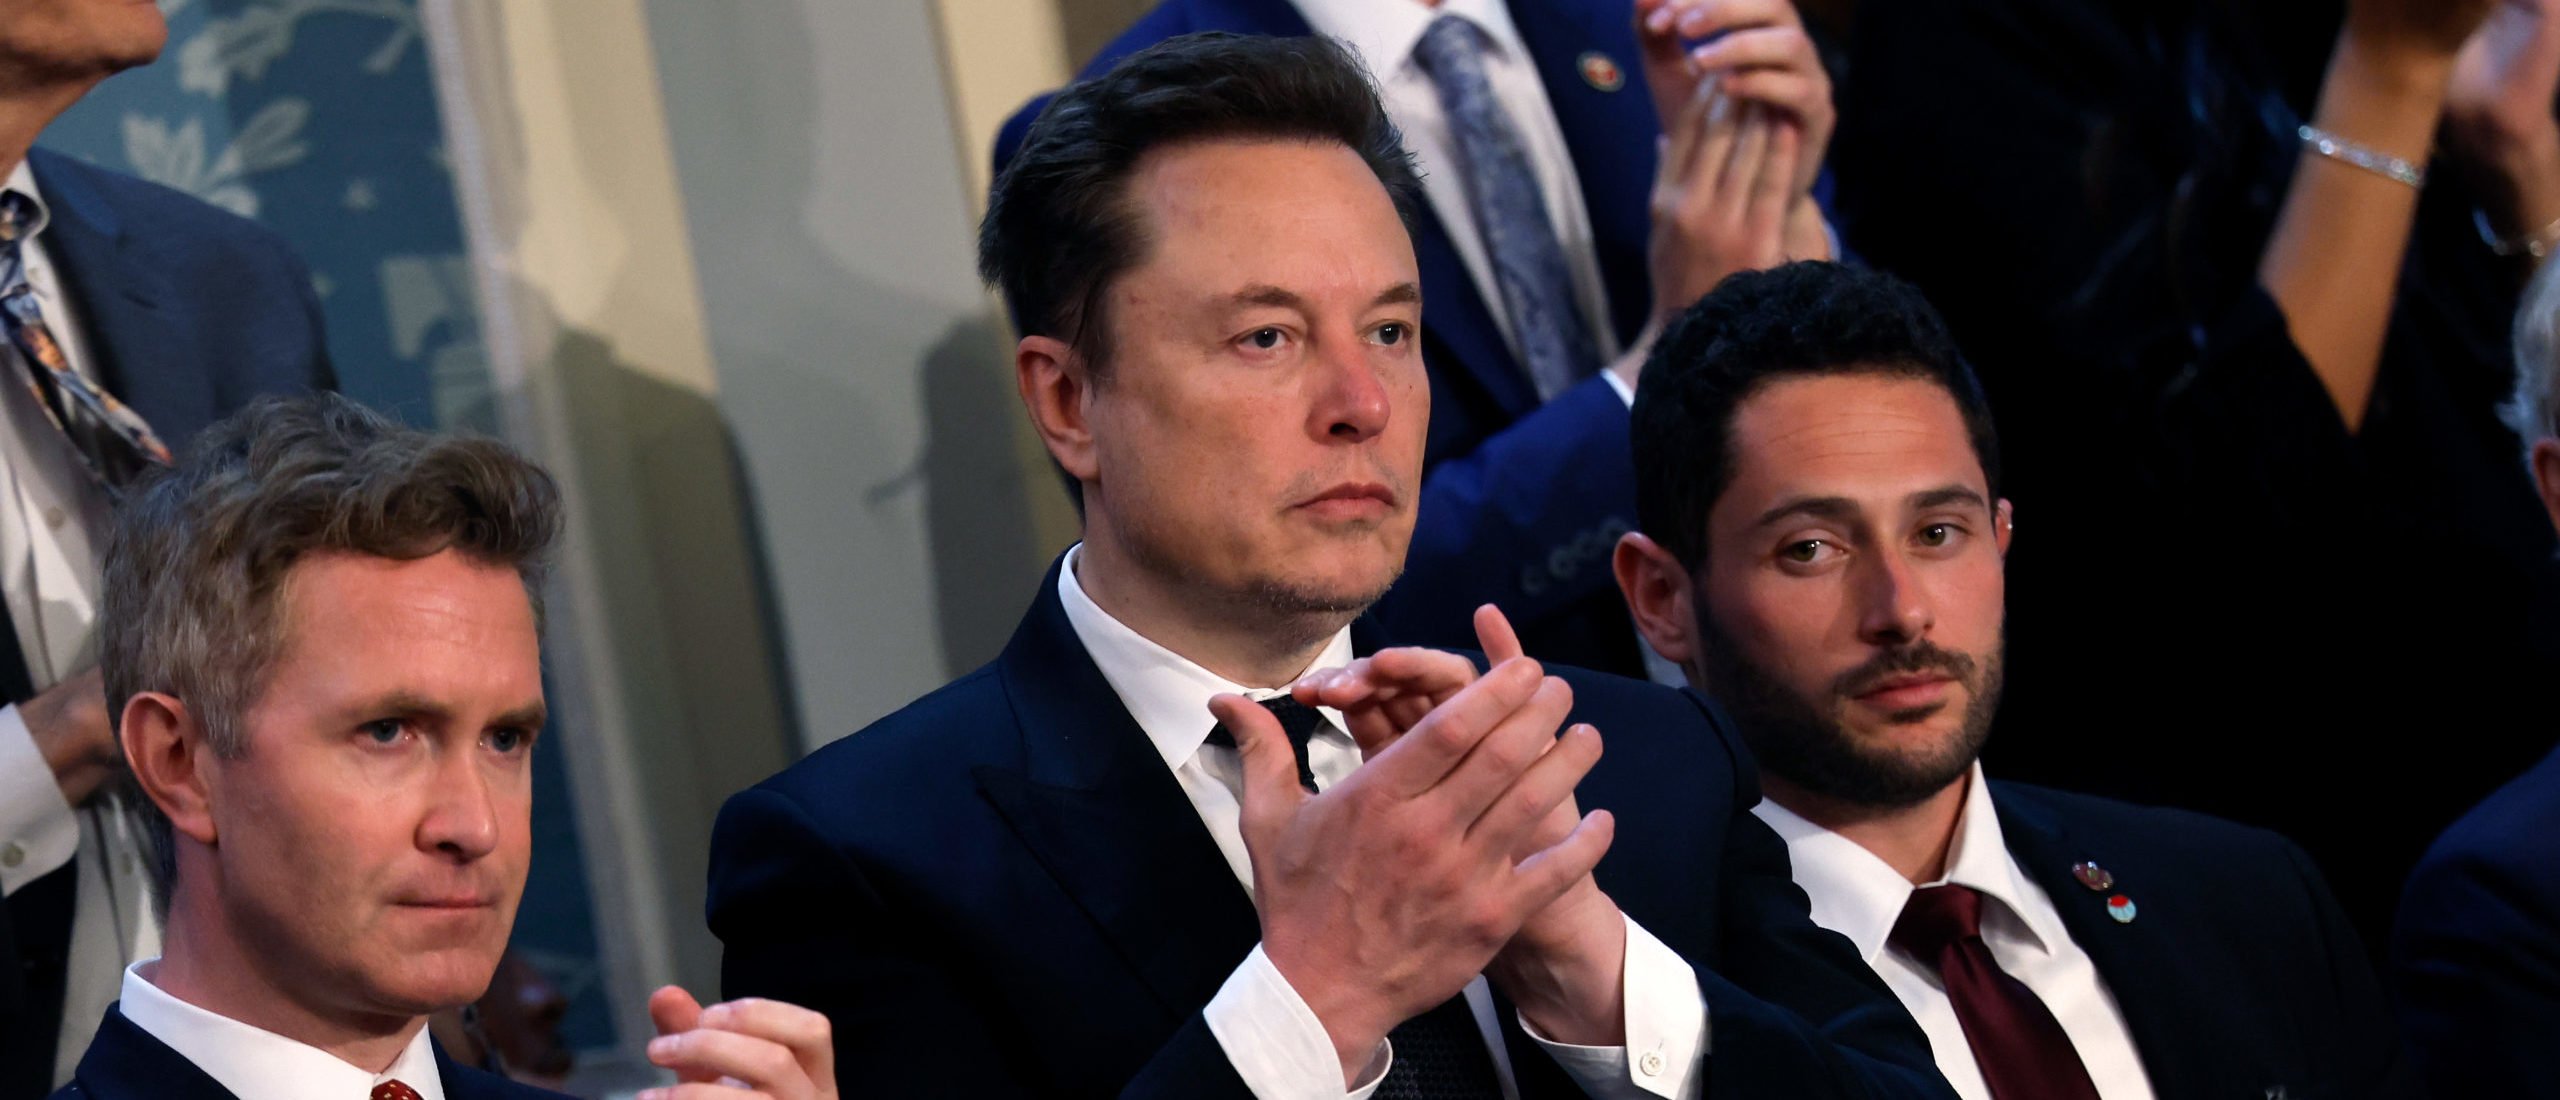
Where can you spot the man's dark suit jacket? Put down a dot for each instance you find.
(189, 312)
(2476, 955)
(127, 1063)
(1522, 503)
(1001, 891)
(2239, 975)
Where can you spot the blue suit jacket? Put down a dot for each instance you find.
(189, 312)
(127, 1063)
(1522, 503)
(1000, 891)
(2239, 975)
(2476, 952)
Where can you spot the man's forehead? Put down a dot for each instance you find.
(1872, 438)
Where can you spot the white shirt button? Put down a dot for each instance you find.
(1651, 1064)
(12, 855)
(54, 517)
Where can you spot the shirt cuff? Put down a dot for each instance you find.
(39, 833)
(1619, 385)
(1666, 1031)
(1276, 1043)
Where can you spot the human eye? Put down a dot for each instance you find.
(1393, 333)
(1266, 338)
(1940, 536)
(1809, 552)
(385, 732)
(509, 740)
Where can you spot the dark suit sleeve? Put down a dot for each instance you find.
(2476, 962)
(320, 374)
(800, 922)
(1794, 1011)
(1527, 520)
(2363, 1024)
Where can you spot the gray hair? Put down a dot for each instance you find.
(2534, 412)
(195, 568)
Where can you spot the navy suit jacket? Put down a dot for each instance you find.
(2239, 975)
(2476, 953)
(189, 312)
(127, 1063)
(1522, 503)
(1001, 891)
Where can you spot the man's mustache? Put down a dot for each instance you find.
(1916, 657)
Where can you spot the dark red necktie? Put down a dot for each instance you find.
(2019, 1046)
(395, 1090)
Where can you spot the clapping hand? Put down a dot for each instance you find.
(742, 1048)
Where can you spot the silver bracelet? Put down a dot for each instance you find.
(2363, 156)
(2537, 244)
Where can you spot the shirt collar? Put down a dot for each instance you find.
(1856, 893)
(1166, 692)
(251, 1061)
(1384, 32)
(22, 180)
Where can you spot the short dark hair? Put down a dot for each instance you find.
(195, 569)
(1757, 327)
(1059, 228)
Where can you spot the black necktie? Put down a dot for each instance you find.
(1440, 1055)
(1297, 719)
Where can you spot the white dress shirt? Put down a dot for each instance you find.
(1273, 1039)
(1383, 33)
(257, 1064)
(1858, 895)
(53, 524)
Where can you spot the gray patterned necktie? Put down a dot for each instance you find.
(1511, 214)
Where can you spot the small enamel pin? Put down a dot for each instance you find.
(2121, 908)
(2093, 876)
(1602, 73)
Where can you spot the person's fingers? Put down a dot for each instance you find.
(1687, 140)
(1699, 19)
(1505, 754)
(1547, 784)
(1544, 877)
(804, 1032)
(708, 1054)
(1765, 221)
(1421, 759)
(673, 1011)
(1495, 636)
(701, 1092)
(1338, 688)
(1742, 166)
(1804, 97)
(1785, 48)
(1431, 674)
(1271, 790)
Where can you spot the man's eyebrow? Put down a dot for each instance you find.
(1401, 294)
(1948, 495)
(1835, 509)
(409, 705)
(530, 716)
(1264, 294)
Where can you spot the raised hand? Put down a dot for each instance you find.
(1564, 968)
(2498, 114)
(1383, 896)
(741, 1048)
(1757, 50)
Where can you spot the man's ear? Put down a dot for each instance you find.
(165, 747)
(1055, 384)
(1657, 593)
(2546, 476)
(2004, 518)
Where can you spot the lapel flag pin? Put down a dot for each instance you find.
(1602, 73)
(2093, 876)
(2121, 908)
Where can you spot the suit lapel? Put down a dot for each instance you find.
(2152, 983)
(126, 305)
(1457, 319)
(126, 1061)
(1610, 132)
(1095, 804)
